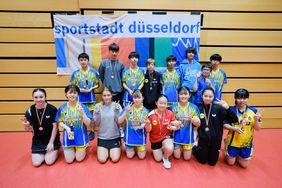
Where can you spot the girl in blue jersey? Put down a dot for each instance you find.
(188, 114)
(132, 78)
(239, 141)
(74, 117)
(136, 117)
(170, 81)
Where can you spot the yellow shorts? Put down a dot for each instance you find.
(138, 148)
(183, 146)
(76, 148)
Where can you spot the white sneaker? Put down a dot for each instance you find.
(166, 163)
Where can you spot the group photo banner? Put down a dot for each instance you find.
(152, 36)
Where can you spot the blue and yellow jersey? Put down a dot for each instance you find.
(218, 79)
(72, 118)
(85, 80)
(170, 82)
(245, 139)
(133, 79)
(134, 134)
(188, 133)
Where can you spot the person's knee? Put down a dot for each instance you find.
(50, 161)
(102, 159)
(130, 154)
(115, 158)
(176, 154)
(187, 157)
(230, 161)
(141, 155)
(37, 163)
(80, 158)
(243, 163)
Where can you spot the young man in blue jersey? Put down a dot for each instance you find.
(188, 70)
(87, 79)
(217, 75)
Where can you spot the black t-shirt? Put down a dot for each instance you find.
(47, 122)
(217, 117)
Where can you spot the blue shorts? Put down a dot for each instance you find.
(242, 152)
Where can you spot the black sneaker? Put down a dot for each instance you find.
(91, 135)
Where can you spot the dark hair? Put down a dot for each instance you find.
(206, 89)
(83, 55)
(216, 57)
(41, 90)
(185, 88)
(241, 93)
(170, 58)
(72, 87)
(206, 66)
(133, 54)
(137, 93)
(114, 47)
(191, 49)
(162, 95)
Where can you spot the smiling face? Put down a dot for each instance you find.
(162, 104)
(183, 96)
(208, 96)
(107, 97)
(72, 95)
(206, 72)
(39, 98)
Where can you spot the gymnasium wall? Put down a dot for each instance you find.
(247, 33)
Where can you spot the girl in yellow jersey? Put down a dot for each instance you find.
(239, 141)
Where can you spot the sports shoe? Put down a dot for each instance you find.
(166, 163)
(91, 135)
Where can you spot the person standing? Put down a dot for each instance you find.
(110, 71)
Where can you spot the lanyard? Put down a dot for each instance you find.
(207, 118)
(40, 119)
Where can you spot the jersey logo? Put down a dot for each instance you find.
(202, 116)
(213, 115)
(47, 117)
(155, 122)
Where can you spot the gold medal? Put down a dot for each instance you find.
(207, 129)
(41, 128)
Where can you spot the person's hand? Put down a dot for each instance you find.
(80, 110)
(223, 104)
(257, 116)
(83, 90)
(128, 107)
(238, 130)
(50, 147)
(195, 120)
(117, 106)
(130, 92)
(208, 81)
(199, 74)
(98, 109)
(25, 124)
